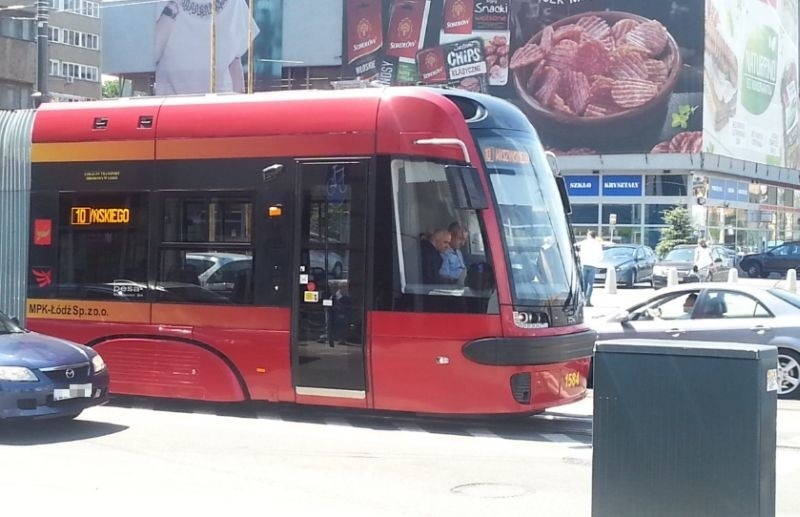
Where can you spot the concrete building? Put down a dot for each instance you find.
(74, 52)
(17, 56)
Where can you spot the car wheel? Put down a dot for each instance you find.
(633, 279)
(753, 270)
(337, 270)
(788, 374)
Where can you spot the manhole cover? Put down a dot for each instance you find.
(490, 490)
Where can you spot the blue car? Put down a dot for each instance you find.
(45, 377)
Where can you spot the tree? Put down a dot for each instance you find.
(111, 89)
(679, 231)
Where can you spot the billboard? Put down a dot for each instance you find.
(594, 76)
(751, 96)
(183, 49)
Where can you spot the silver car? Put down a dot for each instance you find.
(729, 313)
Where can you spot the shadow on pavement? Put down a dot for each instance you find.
(40, 432)
(522, 427)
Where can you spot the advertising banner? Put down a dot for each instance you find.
(185, 45)
(728, 190)
(583, 185)
(593, 76)
(627, 185)
(751, 96)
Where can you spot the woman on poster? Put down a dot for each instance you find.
(183, 43)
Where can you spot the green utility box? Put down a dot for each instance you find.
(684, 428)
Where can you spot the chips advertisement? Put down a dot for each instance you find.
(609, 76)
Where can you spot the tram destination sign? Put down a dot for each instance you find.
(86, 216)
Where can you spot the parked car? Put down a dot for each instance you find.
(633, 263)
(778, 259)
(681, 258)
(44, 377)
(335, 263)
(209, 263)
(729, 313)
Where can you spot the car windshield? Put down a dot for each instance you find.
(787, 296)
(617, 252)
(537, 239)
(7, 325)
(681, 255)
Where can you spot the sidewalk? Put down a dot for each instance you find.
(604, 304)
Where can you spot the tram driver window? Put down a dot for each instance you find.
(442, 262)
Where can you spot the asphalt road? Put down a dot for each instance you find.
(138, 456)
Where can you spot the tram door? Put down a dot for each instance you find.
(328, 302)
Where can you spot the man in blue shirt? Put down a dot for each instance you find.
(453, 268)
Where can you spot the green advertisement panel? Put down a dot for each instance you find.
(751, 96)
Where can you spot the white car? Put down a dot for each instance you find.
(218, 269)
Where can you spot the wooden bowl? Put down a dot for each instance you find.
(575, 130)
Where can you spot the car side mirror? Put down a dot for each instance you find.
(718, 261)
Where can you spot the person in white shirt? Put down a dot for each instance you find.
(591, 255)
(183, 43)
(702, 259)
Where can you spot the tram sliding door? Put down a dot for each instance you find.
(328, 302)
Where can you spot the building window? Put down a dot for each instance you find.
(626, 214)
(654, 214)
(75, 38)
(15, 96)
(666, 185)
(17, 28)
(82, 7)
(78, 71)
(584, 214)
(55, 67)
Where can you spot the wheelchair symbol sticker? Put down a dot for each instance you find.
(337, 189)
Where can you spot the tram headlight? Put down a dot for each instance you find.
(531, 320)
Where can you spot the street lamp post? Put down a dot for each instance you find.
(213, 46)
(42, 42)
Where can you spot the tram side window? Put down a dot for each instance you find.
(442, 263)
(102, 247)
(207, 253)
